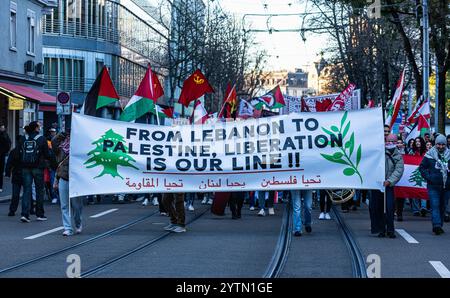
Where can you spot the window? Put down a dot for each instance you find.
(13, 25)
(31, 19)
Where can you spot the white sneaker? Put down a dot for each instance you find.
(54, 201)
(322, 216)
(1, 190)
(191, 208)
(170, 227)
(261, 212)
(67, 233)
(179, 229)
(327, 216)
(145, 203)
(205, 201)
(78, 230)
(155, 202)
(252, 208)
(210, 202)
(271, 211)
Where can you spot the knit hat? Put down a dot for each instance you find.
(441, 140)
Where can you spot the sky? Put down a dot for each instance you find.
(286, 50)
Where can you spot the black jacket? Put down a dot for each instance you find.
(5, 143)
(14, 166)
(45, 154)
(431, 174)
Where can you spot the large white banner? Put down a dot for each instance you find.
(334, 150)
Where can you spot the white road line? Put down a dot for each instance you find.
(440, 268)
(44, 233)
(406, 236)
(103, 213)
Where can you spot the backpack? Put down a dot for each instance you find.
(30, 152)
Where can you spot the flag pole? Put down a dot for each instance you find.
(157, 115)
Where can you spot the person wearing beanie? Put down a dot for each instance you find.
(434, 169)
(383, 223)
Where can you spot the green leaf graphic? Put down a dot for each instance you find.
(358, 156)
(349, 171)
(327, 131)
(347, 127)
(344, 156)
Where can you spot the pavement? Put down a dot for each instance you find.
(215, 246)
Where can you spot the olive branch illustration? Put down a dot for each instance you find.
(344, 156)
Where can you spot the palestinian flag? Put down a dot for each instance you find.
(163, 111)
(272, 100)
(411, 185)
(144, 100)
(419, 129)
(102, 93)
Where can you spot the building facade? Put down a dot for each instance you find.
(21, 62)
(82, 36)
(297, 84)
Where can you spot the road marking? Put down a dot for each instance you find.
(406, 236)
(440, 268)
(44, 233)
(103, 213)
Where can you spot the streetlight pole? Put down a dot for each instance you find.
(426, 53)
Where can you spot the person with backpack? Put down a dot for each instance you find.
(14, 167)
(34, 151)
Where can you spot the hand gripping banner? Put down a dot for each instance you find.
(333, 150)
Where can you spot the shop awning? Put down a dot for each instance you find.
(28, 93)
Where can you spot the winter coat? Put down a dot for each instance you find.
(5, 143)
(394, 166)
(430, 169)
(14, 166)
(62, 171)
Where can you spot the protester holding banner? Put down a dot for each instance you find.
(434, 169)
(236, 202)
(381, 206)
(264, 196)
(69, 206)
(297, 196)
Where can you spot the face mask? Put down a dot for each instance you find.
(390, 146)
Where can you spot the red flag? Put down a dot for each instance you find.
(339, 103)
(153, 90)
(304, 107)
(371, 104)
(194, 87)
(230, 102)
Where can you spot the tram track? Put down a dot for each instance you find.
(79, 244)
(96, 269)
(281, 253)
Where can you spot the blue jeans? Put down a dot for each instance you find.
(296, 196)
(418, 204)
(262, 199)
(28, 175)
(76, 206)
(439, 200)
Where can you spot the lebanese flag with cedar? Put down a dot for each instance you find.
(194, 87)
(411, 185)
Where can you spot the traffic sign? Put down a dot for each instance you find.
(63, 104)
